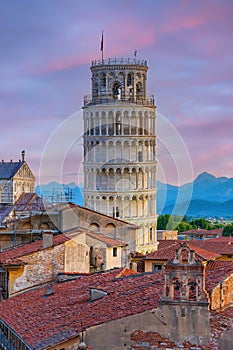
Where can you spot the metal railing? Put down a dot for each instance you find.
(145, 101)
(115, 61)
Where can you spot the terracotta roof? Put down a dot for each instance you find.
(29, 248)
(221, 245)
(201, 231)
(168, 253)
(107, 240)
(44, 321)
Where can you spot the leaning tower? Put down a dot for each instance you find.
(119, 146)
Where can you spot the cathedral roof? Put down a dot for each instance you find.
(9, 169)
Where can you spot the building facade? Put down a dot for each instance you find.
(119, 146)
(15, 178)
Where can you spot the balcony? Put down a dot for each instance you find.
(119, 61)
(147, 101)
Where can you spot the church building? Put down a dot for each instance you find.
(15, 178)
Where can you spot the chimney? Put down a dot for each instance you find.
(23, 155)
(49, 290)
(47, 238)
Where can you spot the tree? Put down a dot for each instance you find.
(162, 221)
(228, 230)
(201, 223)
(183, 226)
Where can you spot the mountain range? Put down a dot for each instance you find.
(206, 196)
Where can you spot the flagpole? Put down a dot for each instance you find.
(102, 46)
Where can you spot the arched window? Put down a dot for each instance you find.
(176, 288)
(117, 90)
(94, 227)
(192, 286)
(139, 90)
(110, 228)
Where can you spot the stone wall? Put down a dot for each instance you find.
(75, 216)
(43, 266)
(222, 295)
(118, 334)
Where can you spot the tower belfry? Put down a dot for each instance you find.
(119, 146)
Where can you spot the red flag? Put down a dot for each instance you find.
(102, 42)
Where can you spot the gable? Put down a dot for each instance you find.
(24, 172)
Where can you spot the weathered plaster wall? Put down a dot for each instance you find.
(116, 335)
(76, 257)
(222, 294)
(40, 267)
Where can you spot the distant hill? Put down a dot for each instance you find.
(211, 196)
(206, 196)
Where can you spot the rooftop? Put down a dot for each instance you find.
(107, 240)
(168, 252)
(10, 255)
(9, 169)
(61, 316)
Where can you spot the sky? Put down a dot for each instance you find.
(46, 50)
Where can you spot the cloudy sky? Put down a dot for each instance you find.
(46, 50)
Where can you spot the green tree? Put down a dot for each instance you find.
(201, 223)
(183, 226)
(228, 230)
(162, 221)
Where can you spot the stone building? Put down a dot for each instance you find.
(119, 309)
(37, 263)
(15, 178)
(119, 146)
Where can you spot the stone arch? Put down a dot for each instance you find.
(176, 288)
(139, 90)
(26, 226)
(94, 226)
(192, 286)
(117, 90)
(110, 229)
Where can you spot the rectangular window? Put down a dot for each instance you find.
(114, 252)
(157, 267)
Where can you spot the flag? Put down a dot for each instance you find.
(102, 42)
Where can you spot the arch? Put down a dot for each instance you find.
(117, 90)
(139, 92)
(110, 229)
(94, 227)
(192, 287)
(176, 288)
(26, 226)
